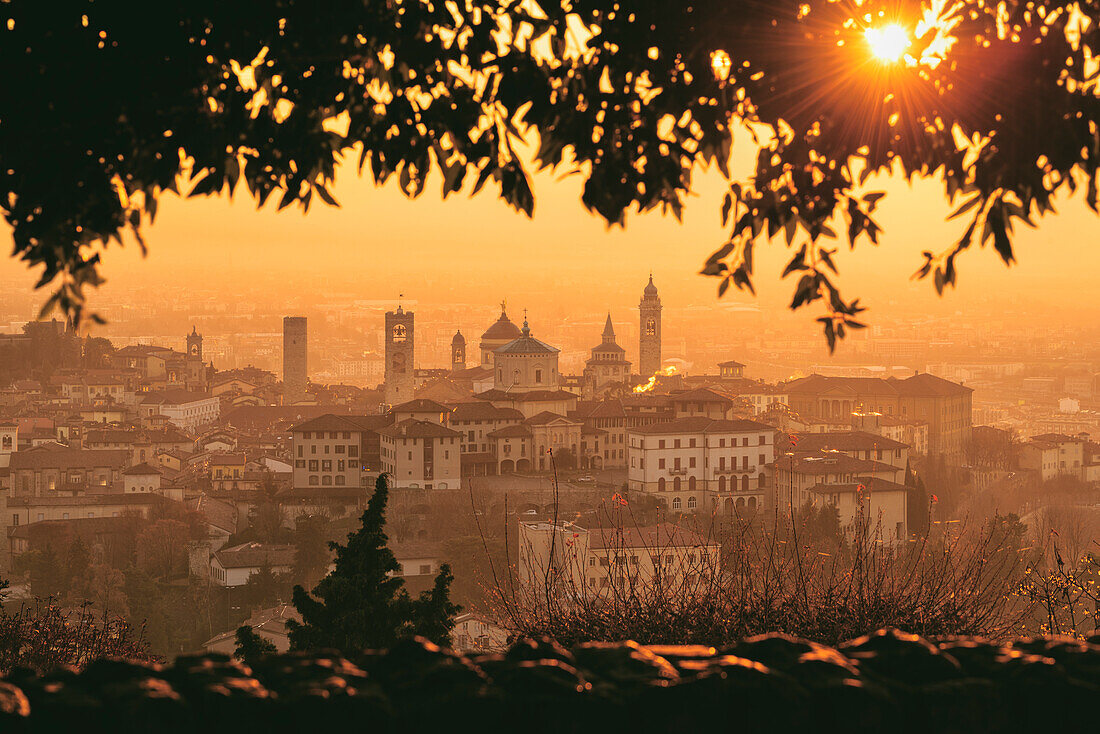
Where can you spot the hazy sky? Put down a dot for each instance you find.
(384, 244)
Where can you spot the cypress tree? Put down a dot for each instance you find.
(363, 602)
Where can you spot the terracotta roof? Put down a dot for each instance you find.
(52, 457)
(702, 424)
(333, 422)
(143, 469)
(517, 431)
(174, 397)
(483, 412)
(546, 416)
(700, 395)
(823, 462)
(413, 428)
(419, 406)
(840, 441)
(222, 515)
(254, 555)
(864, 484)
(654, 537)
(530, 396)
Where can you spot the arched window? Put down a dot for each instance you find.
(314, 480)
(721, 484)
(400, 334)
(515, 377)
(651, 327)
(661, 484)
(752, 503)
(761, 480)
(340, 479)
(745, 483)
(676, 484)
(691, 484)
(676, 503)
(740, 501)
(325, 480)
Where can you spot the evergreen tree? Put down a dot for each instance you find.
(363, 603)
(265, 587)
(251, 647)
(311, 555)
(76, 563)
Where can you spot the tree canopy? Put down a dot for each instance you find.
(106, 109)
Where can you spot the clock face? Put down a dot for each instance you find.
(194, 349)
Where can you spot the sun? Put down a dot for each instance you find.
(888, 43)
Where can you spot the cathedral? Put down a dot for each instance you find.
(607, 366)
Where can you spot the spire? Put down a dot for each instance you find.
(608, 330)
(526, 331)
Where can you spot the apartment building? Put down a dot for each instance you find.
(700, 463)
(422, 455)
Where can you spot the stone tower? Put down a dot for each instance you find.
(649, 331)
(458, 352)
(295, 369)
(399, 356)
(194, 344)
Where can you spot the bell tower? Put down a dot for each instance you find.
(649, 331)
(458, 352)
(194, 344)
(399, 356)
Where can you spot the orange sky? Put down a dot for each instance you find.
(389, 244)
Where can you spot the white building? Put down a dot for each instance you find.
(187, 410)
(232, 567)
(698, 463)
(586, 563)
(422, 454)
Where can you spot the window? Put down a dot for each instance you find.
(651, 327)
(691, 503)
(15, 519)
(425, 568)
(340, 448)
(676, 503)
(340, 480)
(400, 333)
(538, 376)
(313, 464)
(660, 463)
(326, 480)
(314, 480)
(326, 465)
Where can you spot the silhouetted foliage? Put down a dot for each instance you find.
(250, 646)
(105, 108)
(363, 603)
(44, 637)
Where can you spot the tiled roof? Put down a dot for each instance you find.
(413, 428)
(141, 470)
(51, 457)
(420, 406)
(254, 555)
(840, 441)
(702, 424)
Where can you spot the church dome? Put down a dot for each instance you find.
(458, 339)
(650, 290)
(502, 330)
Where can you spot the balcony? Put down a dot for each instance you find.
(681, 471)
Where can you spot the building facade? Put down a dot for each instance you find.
(698, 463)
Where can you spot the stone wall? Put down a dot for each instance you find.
(887, 682)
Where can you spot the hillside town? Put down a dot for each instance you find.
(225, 485)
